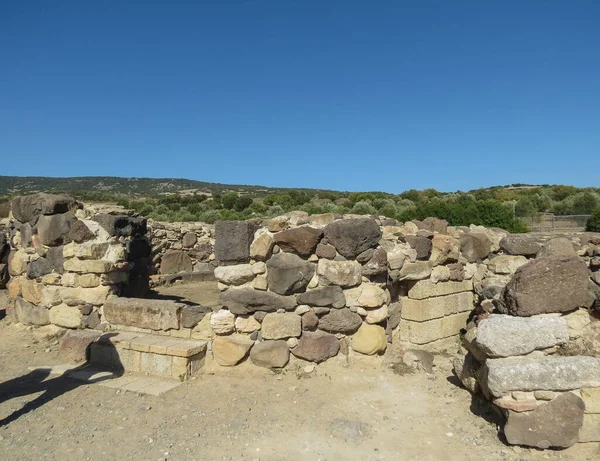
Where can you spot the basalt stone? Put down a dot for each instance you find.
(246, 301)
(301, 240)
(287, 273)
(422, 245)
(340, 321)
(365, 256)
(38, 268)
(202, 251)
(189, 240)
(191, 315)
(316, 347)
(559, 246)
(175, 261)
(54, 229)
(475, 246)
(30, 207)
(270, 354)
(322, 297)
(26, 235)
(80, 232)
(233, 240)
(553, 424)
(519, 245)
(75, 345)
(351, 237)
(377, 265)
(325, 251)
(28, 314)
(547, 285)
(138, 248)
(433, 225)
(122, 225)
(310, 321)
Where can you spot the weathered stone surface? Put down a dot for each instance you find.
(519, 245)
(88, 266)
(377, 315)
(281, 326)
(38, 268)
(426, 289)
(189, 240)
(310, 321)
(29, 207)
(475, 246)
(553, 424)
(340, 321)
(351, 237)
(28, 314)
(52, 230)
(77, 296)
(262, 246)
(394, 315)
(192, 315)
(371, 296)
(316, 347)
(422, 310)
(325, 250)
(246, 324)
(80, 232)
(433, 330)
(288, 273)
(325, 296)
(175, 261)
(66, 316)
(369, 339)
(507, 336)
(230, 350)
(546, 285)
(233, 240)
(270, 354)
(247, 301)
(17, 262)
(75, 344)
(301, 240)
(422, 245)
(559, 246)
(365, 255)
(591, 398)
(122, 225)
(154, 314)
(235, 275)
(418, 270)
(543, 373)
(590, 431)
(55, 257)
(466, 369)
(341, 273)
(377, 264)
(506, 264)
(222, 322)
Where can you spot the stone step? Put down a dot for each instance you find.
(146, 353)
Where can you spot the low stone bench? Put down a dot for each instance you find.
(149, 314)
(151, 354)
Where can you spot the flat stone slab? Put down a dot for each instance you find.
(505, 375)
(153, 314)
(427, 289)
(508, 336)
(163, 345)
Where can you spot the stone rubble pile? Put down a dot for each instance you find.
(65, 264)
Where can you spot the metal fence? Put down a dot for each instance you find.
(548, 222)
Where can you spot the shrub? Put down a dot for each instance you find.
(593, 224)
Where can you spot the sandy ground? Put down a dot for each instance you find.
(335, 413)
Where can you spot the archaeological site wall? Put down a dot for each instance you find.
(521, 310)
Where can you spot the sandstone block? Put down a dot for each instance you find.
(369, 340)
(66, 316)
(235, 275)
(230, 350)
(427, 289)
(341, 273)
(280, 326)
(222, 322)
(153, 314)
(421, 310)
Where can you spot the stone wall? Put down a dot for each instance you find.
(65, 263)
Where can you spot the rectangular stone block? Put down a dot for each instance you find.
(180, 367)
(591, 398)
(154, 314)
(155, 364)
(502, 376)
(109, 356)
(82, 266)
(421, 310)
(427, 289)
(433, 330)
(590, 431)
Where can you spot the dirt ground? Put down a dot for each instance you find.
(245, 413)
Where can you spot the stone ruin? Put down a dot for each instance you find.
(298, 289)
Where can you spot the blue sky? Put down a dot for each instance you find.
(347, 95)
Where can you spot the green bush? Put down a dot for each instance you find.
(593, 224)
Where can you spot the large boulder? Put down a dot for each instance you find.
(341, 273)
(80, 232)
(422, 245)
(288, 273)
(28, 314)
(121, 225)
(377, 265)
(270, 354)
(524, 245)
(230, 350)
(559, 246)
(301, 240)
(553, 424)
(53, 230)
(506, 336)
(475, 246)
(340, 321)
(29, 208)
(233, 240)
(350, 237)
(175, 261)
(316, 347)
(153, 314)
(246, 301)
(547, 285)
(323, 297)
(235, 275)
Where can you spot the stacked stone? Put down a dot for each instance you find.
(180, 247)
(519, 356)
(64, 266)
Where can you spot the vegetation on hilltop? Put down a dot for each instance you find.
(185, 200)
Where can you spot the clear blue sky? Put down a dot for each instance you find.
(348, 95)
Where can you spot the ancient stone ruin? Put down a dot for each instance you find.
(298, 289)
